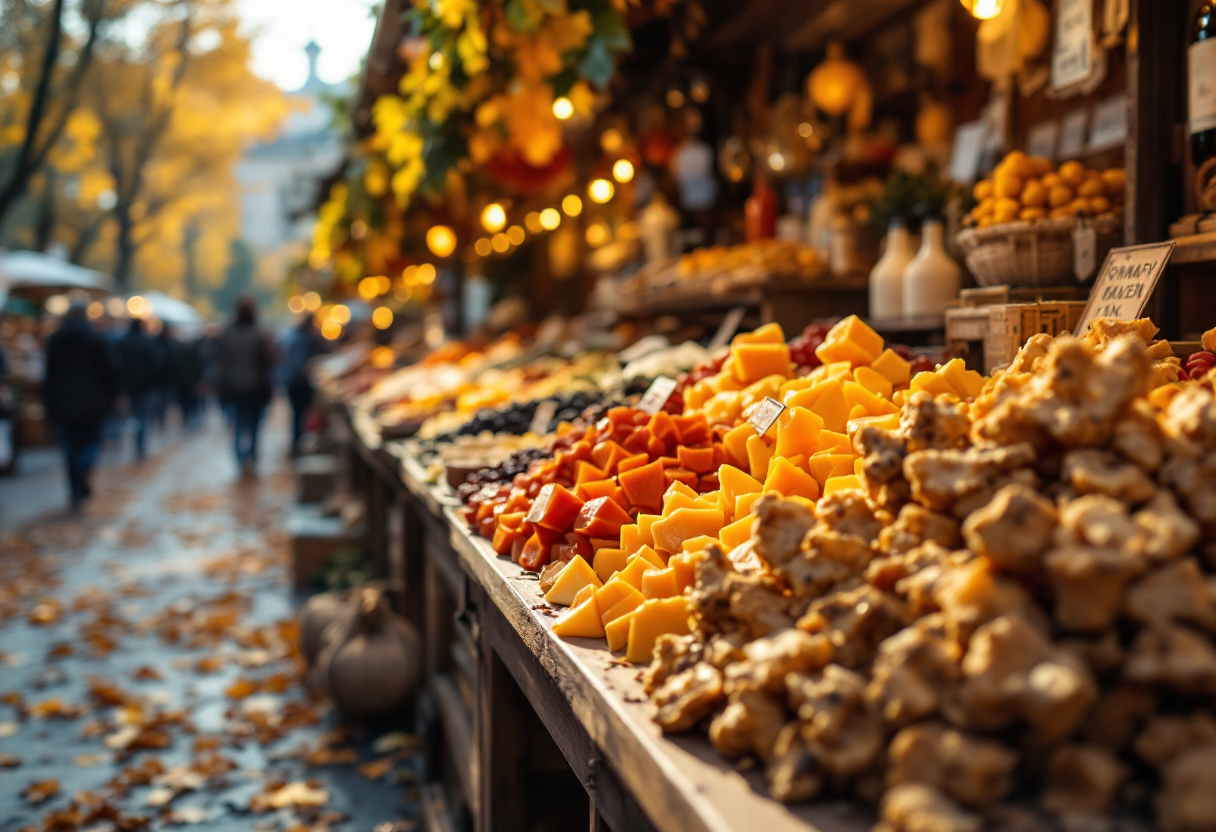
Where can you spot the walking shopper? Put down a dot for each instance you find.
(79, 390)
(302, 344)
(139, 360)
(246, 359)
(187, 375)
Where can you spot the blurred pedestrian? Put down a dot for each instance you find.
(187, 375)
(163, 391)
(8, 449)
(301, 344)
(209, 351)
(79, 390)
(138, 360)
(246, 360)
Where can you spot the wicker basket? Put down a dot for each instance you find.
(1031, 253)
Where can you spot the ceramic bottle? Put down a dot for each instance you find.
(932, 280)
(886, 280)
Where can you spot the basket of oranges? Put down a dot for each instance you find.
(1020, 231)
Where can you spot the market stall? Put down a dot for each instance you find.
(767, 514)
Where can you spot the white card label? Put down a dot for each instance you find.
(1072, 58)
(1072, 135)
(730, 325)
(543, 416)
(766, 415)
(1084, 251)
(657, 394)
(1125, 282)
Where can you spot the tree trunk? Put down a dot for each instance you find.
(125, 247)
(25, 164)
(45, 228)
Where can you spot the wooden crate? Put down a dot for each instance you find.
(989, 336)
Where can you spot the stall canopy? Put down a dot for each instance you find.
(34, 270)
(172, 311)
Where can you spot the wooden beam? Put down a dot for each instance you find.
(843, 20)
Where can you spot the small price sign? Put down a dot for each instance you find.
(542, 417)
(766, 415)
(730, 325)
(657, 394)
(1125, 282)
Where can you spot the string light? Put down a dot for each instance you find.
(382, 317)
(312, 301)
(622, 170)
(295, 304)
(369, 288)
(426, 274)
(482, 247)
(137, 307)
(441, 240)
(563, 108)
(500, 243)
(494, 217)
(984, 9)
(600, 190)
(340, 313)
(572, 205)
(515, 234)
(550, 219)
(611, 140)
(331, 330)
(597, 234)
(532, 222)
(675, 99)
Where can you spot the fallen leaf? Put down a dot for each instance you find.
(261, 705)
(40, 791)
(46, 612)
(107, 693)
(395, 741)
(241, 688)
(88, 760)
(160, 796)
(186, 815)
(376, 769)
(55, 708)
(7, 729)
(9, 761)
(60, 651)
(330, 757)
(298, 793)
(146, 674)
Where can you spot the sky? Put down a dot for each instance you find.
(281, 28)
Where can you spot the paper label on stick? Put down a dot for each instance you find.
(730, 325)
(543, 416)
(657, 394)
(1125, 282)
(1084, 251)
(766, 415)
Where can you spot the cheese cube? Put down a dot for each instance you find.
(576, 575)
(582, 621)
(660, 583)
(606, 562)
(655, 618)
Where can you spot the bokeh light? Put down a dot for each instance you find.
(382, 317)
(550, 219)
(494, 217)
(572, 205)
(600, 190)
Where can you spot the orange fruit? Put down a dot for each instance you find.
(1059, 196)
(1034, 195)
(1032, 214)
(1041, 166)
(1051, 180)
(1073, 173)
(982, 190)
(1092, 186)
(1115, 180)
(1007, 185)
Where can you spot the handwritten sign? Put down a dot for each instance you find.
(657, 394)
(543, 416)
(1125, 282)
(1072, 57)
(730, 325)
(1072, 134)
(766, 415)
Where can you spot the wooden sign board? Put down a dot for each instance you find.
(1125, 282)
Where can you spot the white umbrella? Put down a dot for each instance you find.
(32, 269)
(172, 311)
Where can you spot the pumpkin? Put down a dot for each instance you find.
(318, 613)
(370, 662)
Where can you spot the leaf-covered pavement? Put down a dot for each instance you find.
(149, 677)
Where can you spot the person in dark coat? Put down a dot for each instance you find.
(302, 344)
(246, 361)
(79, 390)
(139, 361)
(187, 375)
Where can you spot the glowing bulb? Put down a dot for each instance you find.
(368, 288)
(611, 140)
(806, 129)
(622, 170)
(494, 217)
(563, 108)
(597, 234)
(600, 190)
(984, 9)
(532, 222)
(500, 243)
(550, 219)
(340, 313)
(426, 274)
(58, 304)
(776, 161)
(382, 317)
(383, 284)
(331, 330)
(515, 234)
(699, 91)
(482, 247)
(295, 304)
(137, 307)
(441, 240)
(96, 310)
(312, 301)
(572, 205)
(675, 99)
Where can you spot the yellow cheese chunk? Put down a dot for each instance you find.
(887, 422)
(723, 408)
(697, 544)
(617, 631)
(678, 487)
(582, 621)
(758, 454)
(609, 561)
(645, 521)
(835, 442)
(631, 538)
(655, 618)
(677, 499)
(753, 362)
(698, 395)
(954, 372)
(858, 464)
(685, 565)
(684, 523)
(826, 466)
(627, 604)
(931, 382)
(851, 340)
(974, 382)
(745, 504)
(576, 575)
(831, 405)
(798, 432)
(735, 482)
(583, 594)
(735, 442)
(790, 481)
(845, 483)
(737, 533)
(874, 381)
(660, 583)
(771, 333)
(650, 555)
(632, 573)
(769, 386)
(612, 592)
(893, 365)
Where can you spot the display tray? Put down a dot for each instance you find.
(681, 782)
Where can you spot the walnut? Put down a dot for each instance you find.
(1095, 520)
(1093, 471)
(757, 604)
(1028, 357)
(913, 669)
(827, 558)
(1174, 658)
(1188, 801)
(970, 595)
(1118, 716)
(781, 526)
(710, 596)
(1081, 780)
(855, 621)
(1139, 438)
(916, 525)
(882, 454)
(1103, 655)
(1164, 531)
(1192, 474)
(912, 807)
(1174, 593)
(928, 565)
(886, 573)
(794, 773)
(1013, 530)
(1056, 696)
(688, 697)
(672, 654)
(1088, 583)
(939, 479)
(744, 560)
(973, 771)
(768, 660)
(1167, 736)
(749, 725)
(928, 423)
(847, 512)
(838, 723)
(724, 649)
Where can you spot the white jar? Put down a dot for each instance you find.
(932, 279)
(887, 278)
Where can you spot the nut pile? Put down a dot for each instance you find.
(1010, 628)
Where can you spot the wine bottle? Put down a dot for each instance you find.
(1201, 98)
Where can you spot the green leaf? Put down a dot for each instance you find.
(518, 18)
(611, 26)
(597, 65)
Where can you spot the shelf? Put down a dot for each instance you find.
(923, 323)
(1194, 248)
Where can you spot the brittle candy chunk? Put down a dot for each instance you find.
(939, 479)
(1013, 530)
(914, 668)
(688, 697)
(794, 774)
(1188, 801)
(1174, 658)
(1081, 780)
(1093, 471)
(929, 423)
(913, 807)
(838, 723)
(974, 771)
(768, 660)
(1177, 592)
(749, 725)
(916, 525)
(1088, 583)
